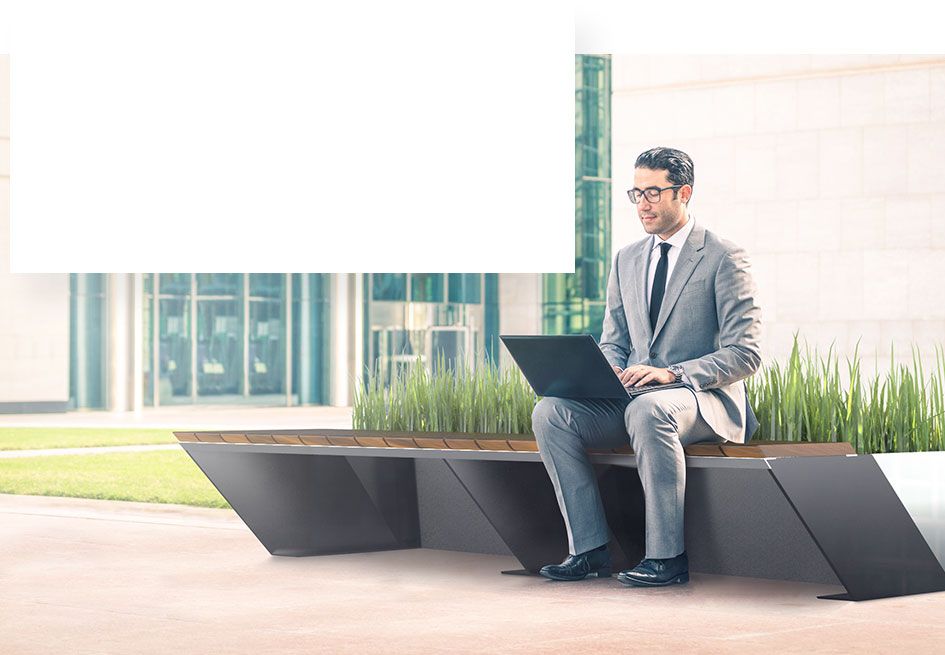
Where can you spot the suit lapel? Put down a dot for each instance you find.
(641, 269)
(689, 257)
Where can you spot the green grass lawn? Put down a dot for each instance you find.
(36, 438)
(149, 477)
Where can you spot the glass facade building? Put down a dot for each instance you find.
(411, 316)
(235, 337)
(271, 339)
(574, 303)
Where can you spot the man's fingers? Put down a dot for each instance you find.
(646, 378)
(636, 374)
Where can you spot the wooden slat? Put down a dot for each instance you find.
(288, 439)
(524, 445)
(375, 442)
(704, 450)
(493, 444)
(209, 437)
(787, 449)
(186, 436)
(313, 440)
(234, 437)
(400, 442)
(260, 438)
(343, 441)
(462, 444)
(427, 442)
(742, 451)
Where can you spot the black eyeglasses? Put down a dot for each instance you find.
(652, 193)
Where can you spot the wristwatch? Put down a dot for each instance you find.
(676, 370)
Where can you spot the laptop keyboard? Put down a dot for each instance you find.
(633, 392)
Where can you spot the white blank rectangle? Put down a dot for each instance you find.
(363, 137)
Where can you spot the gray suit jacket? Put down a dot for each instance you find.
(709, 324)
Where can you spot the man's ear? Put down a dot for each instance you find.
(685, 193)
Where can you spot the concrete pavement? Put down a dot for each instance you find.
(87, 576)
(192, 417)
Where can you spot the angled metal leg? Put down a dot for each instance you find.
(299, 504)
(860, 525)
(519, 501)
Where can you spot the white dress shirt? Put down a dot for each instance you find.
(676, 242)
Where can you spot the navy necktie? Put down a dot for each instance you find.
(659, 284)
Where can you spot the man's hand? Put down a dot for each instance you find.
(638, 375)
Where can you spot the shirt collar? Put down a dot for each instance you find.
(678, 239)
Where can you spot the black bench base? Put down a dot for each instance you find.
(832, 520)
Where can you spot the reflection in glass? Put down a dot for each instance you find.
(236, 352)
(389, 286)
(426, 287)
(266, 334)
(219, 284)
(175, 284)
(174, 347)
(219, 347)
(450, 343)
(267, 285)
(396, 350)
(465, 287)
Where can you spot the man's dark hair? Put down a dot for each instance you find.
(677, 164)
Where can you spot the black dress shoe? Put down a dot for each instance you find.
(578, 567)
(658, 572)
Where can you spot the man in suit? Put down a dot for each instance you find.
(680, 307)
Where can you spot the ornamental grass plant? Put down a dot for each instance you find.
(810, 397)
(478, 399)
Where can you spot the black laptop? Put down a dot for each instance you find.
(570, 366)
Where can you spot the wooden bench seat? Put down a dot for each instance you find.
(493, 442)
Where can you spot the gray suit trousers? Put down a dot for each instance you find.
(656, 425)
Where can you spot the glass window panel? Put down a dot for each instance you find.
(492, 317)
(266, 347)
(426, 287)
(465, 287)
(389, 286)
(267, 285)
(219, 284)
(175, 283)
(173, 349)
(219, 347)
(450, 343)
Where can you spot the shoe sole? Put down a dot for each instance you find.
(606, 573)
(682, 578)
